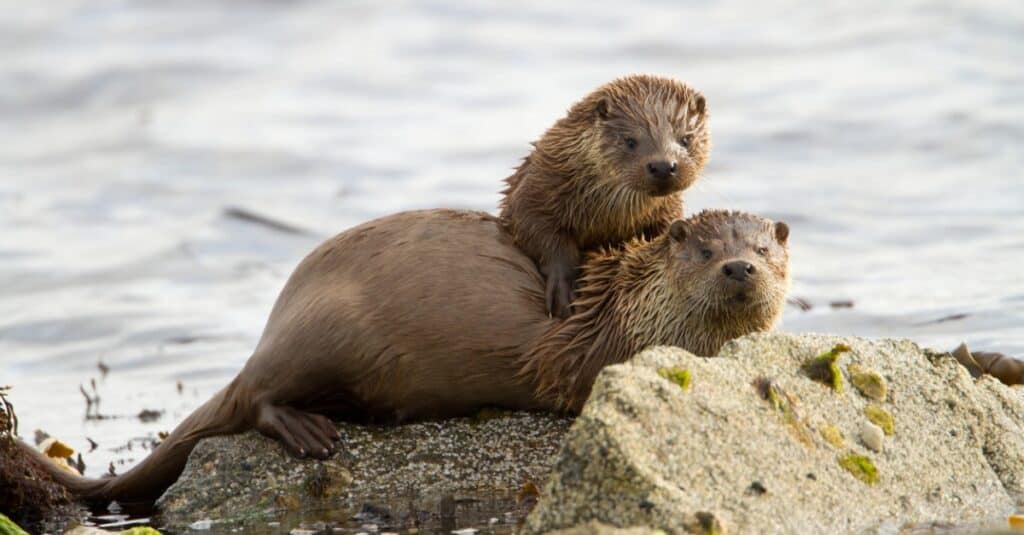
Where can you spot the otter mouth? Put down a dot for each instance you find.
(662, 189)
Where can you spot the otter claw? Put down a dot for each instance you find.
(301, 432)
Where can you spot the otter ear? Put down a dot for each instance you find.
(677, 230)
(781, 232)
(601, 109)
(699, 104)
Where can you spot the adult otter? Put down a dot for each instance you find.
(437, 313)
(612, 169)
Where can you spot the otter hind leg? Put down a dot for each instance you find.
(303, 433)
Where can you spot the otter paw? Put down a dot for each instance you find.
(560, 294)
(303, 433)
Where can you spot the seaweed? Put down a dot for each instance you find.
(27, 492)
(823, 367)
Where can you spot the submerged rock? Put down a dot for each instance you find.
(646, 453)
(398, 472)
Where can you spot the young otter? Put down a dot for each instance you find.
(611, 170)
(362, 331)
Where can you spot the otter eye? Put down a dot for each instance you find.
(763, 251)
(706, 253)
(631, 142)
(685, 141)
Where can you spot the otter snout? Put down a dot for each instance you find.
(662, 170)
(739, 270)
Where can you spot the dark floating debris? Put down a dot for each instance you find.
(805, 305)
(248, 216)
(150, 415)
(180, 386)
(104, 370)
(800, 303)
(92, 402)
(78, 463)
(92, 444)
(943, 319)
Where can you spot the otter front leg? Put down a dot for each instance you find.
(560, 272)
(303, 433)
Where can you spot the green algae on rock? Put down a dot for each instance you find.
(860, 466)
(868, 382)
(832, 435)
(636, 459)
(824, 368)
(679, 376)
(882, 418)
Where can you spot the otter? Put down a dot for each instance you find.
(612, 169)
(437, 313)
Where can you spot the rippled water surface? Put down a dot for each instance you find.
(130, 132)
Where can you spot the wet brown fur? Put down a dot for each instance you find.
(582, 188)
(1008, 370)
(658, 292)
(436, 313)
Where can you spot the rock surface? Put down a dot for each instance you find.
(427, 468)
(743, 447)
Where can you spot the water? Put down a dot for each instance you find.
(888, 136)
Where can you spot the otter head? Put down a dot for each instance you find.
(653, 133)
(732, 268)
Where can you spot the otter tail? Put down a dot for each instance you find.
(150, 478)
(1005, 368)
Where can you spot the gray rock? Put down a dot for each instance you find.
(248, 478)
(598, 528)
(741, 448)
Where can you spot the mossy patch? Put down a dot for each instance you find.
(868, 382)
(146, 530)
(860, 466)
(679, 376)
(8, 527)
(832, 435)
(824, 368)
(882, 418)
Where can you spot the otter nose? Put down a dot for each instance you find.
(661, 169)
(739, 270)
